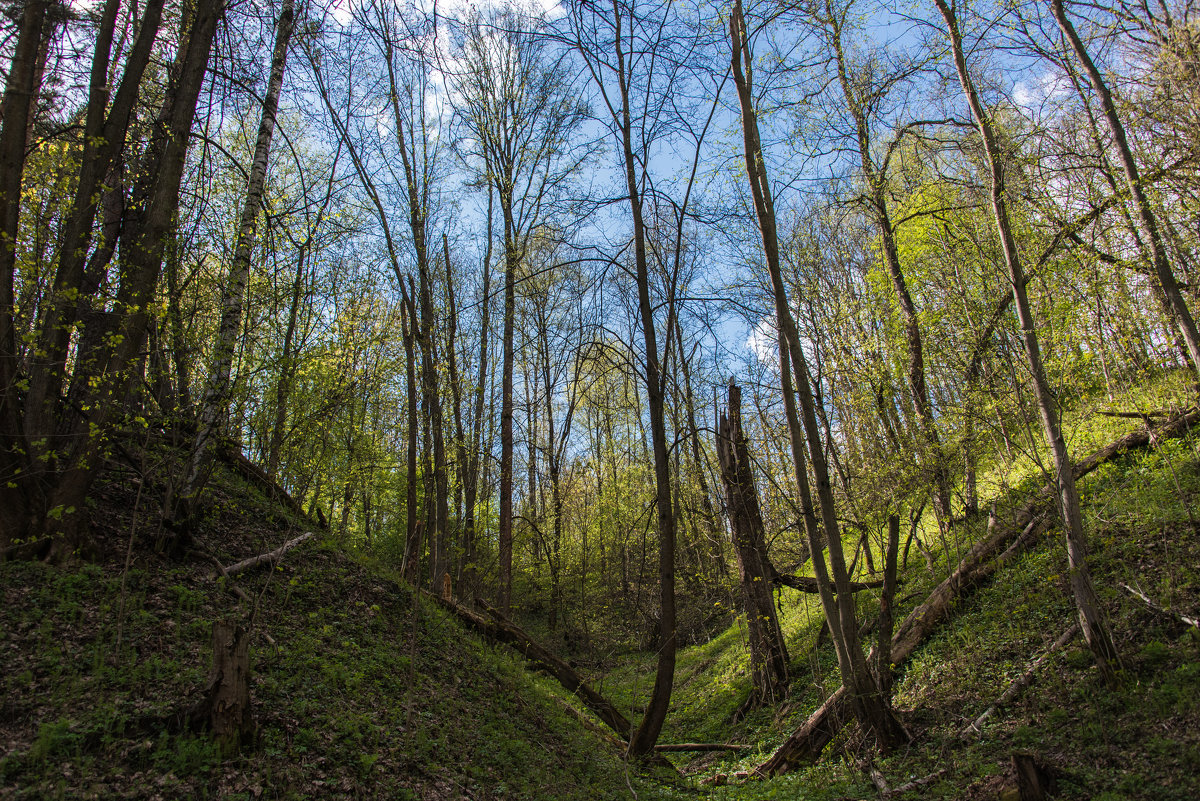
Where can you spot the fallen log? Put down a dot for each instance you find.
(267, 485)
(809, 584)
(984, 558)
(269, 558)
(502, 630)
(915, 783)
(1020, 682)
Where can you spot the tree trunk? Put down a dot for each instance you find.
(17, 513)
(768, 652)
(871, 707)
(643, 740)
(148, 224)
(218, 390)
(412, 538)
(1091, 614)
(225, 709)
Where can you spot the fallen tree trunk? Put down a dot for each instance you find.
(688, 747)
(809, 584)
(502, 630)
(267, 485)
(807, 742)
(269, 558)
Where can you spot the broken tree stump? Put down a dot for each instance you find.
(1035, 781)
(225, 708)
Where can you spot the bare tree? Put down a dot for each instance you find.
(871, 706)
(519, 110)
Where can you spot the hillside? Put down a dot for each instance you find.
(358, 691)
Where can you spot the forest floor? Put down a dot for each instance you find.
(361, 691)
(357, 691)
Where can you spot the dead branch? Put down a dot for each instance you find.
(1021, 682)
(915, 783)
(271, 558)
(686, 747)
(1162, 610)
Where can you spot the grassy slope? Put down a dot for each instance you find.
(354, 695)
(1141, 741)
(357, 696)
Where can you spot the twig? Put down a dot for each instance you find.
(224, 573)
(1162, 610)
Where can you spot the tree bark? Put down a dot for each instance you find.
(871, 707)
(643, 740)
(218, 391)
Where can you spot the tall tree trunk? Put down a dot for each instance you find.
(476, 457)
(872, 708)
(148, 224)
(643, 740)
(505, 543)
(75, 284)
(412, 537)
(1091, 614)
(218, 391)
(17, 514)
(768, 652)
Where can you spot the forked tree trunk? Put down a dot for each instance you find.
(768, 652)
(107, 372)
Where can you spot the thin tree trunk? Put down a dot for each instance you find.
(1091, 614)
(218, 391)
(412, 538)
(643, 740)
(877, 185)
(476, 457)
(872, 708)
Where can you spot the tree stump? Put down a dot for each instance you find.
(1034, 780)
(225, 708)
